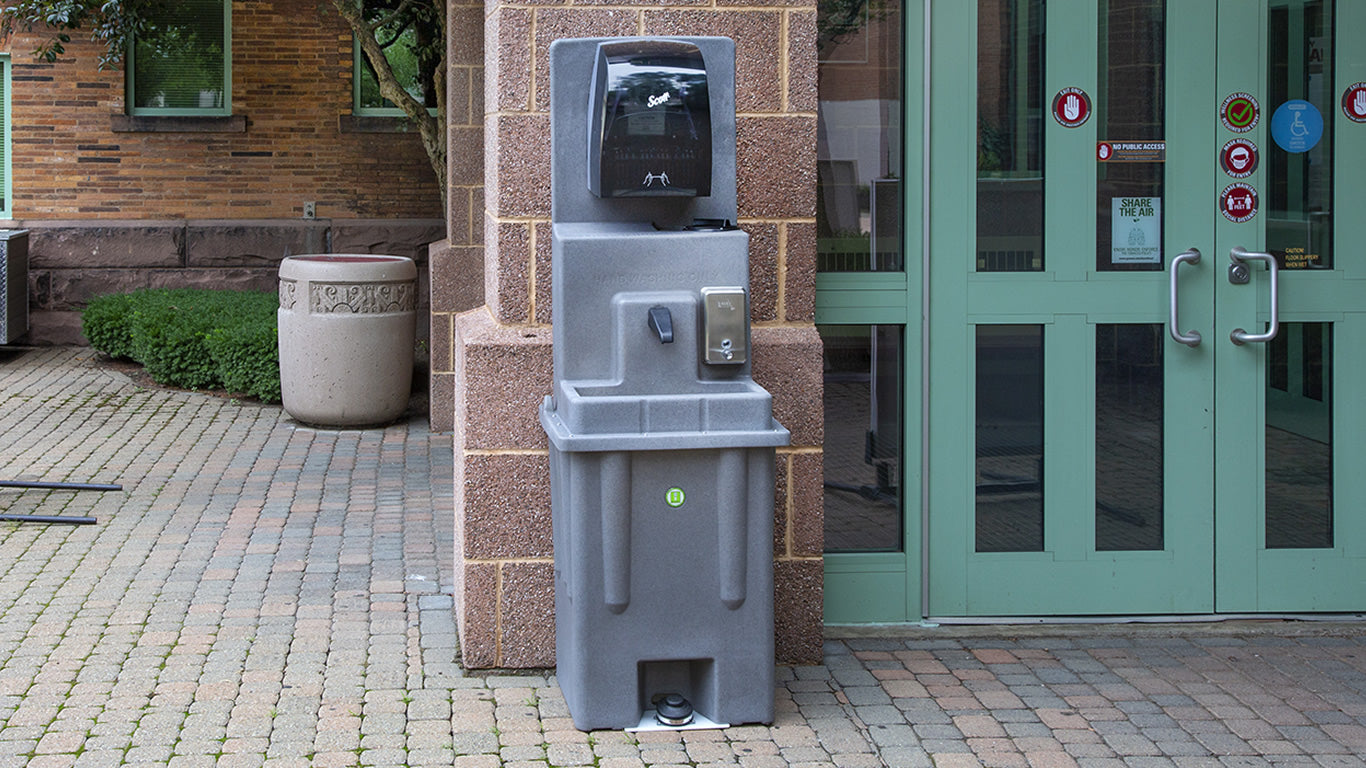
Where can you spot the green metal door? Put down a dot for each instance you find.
(1099, 443)
(1290, 504)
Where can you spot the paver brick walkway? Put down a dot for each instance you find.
(266, 594)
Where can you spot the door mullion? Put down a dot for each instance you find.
(1239, 439)
(1069, 438)
(1069, 153)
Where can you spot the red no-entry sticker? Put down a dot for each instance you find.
(1071, 107)
(1238, 202)
(1354, 102)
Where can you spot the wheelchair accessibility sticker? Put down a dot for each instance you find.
(1297, 126)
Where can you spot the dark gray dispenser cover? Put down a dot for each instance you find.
(651, 120)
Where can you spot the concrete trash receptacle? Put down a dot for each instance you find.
(347, 325)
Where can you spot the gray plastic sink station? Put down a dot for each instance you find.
(661, 444)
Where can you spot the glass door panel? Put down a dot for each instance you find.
(1299, 438)
(1130, 111)
(860, 163)
(1010, 37)
(863, 399)
(1130, 481)
(1010, 403)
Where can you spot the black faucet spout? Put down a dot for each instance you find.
(661, 322)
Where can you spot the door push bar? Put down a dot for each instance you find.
(1239, 274)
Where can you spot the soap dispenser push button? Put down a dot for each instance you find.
(725, 325)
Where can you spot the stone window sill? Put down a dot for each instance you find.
(374, 124)
(177, 124)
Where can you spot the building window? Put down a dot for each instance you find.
(182, 65)
(412, 44)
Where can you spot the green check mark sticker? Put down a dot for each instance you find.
(1240, 112)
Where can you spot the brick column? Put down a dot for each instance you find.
(500, 354)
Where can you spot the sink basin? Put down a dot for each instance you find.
(597, 407)
(601, 415)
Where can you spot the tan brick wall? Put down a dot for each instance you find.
(457, 264)
(291, 80)
(500, 352)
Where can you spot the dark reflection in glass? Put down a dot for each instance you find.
(859, 137)
(1299, 224)
(1010, 114)
(1278, 364)
(178, 61)
(1009, 438)
(1129, 447)
(1130, 118)
(1299, 442)
(863, 446)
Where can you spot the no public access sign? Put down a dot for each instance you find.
(1131, 151)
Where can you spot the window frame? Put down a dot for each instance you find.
(358, 71)
(6, 139)
(130, 66)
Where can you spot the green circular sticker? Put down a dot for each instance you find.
(674, 497)
(1240, 112)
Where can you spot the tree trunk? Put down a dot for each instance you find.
(431, 127)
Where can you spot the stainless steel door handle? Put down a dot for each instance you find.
(1189, 338)
(1238, 275)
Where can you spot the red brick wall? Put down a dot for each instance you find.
(291, 80)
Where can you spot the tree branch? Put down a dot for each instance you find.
(432, 128)
(393, 15)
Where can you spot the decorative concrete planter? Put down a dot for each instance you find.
(347, 325)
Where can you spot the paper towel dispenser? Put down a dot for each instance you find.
(649, 113)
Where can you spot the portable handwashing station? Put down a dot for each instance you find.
(661, 443)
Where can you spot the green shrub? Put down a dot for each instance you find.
(247, 353)
(168, 338)
(193, 338)
(105, 322)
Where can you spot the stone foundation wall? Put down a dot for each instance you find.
(499, 354)
(72, 261)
